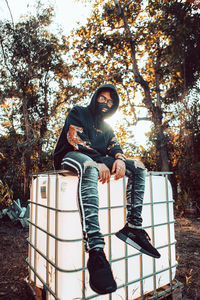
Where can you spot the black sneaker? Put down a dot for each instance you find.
(101, 277)
(139, 239)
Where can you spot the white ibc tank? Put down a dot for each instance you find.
(57, 260)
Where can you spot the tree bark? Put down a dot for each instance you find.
(43, 127)
(27, 144)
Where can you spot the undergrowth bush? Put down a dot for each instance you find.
(6, 195)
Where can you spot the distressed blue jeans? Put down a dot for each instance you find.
(88, 199)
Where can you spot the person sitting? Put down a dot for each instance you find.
(88, 146)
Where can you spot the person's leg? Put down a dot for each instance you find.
(88, 200)
(135, 171)
(101, 277)
(132, 233)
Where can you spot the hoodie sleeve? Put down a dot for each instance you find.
(77, 137)
(113, 146)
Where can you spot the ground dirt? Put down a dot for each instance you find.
(13, 253)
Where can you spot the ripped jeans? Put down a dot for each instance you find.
(88, 199)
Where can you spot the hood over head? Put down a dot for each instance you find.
(114, 95)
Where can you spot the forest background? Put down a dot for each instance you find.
(150, 50)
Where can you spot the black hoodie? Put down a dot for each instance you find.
(85, 131)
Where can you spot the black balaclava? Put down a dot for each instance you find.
(100, 107)
(96, 107)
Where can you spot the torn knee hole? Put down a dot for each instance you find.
(139, 164)
(90, 164)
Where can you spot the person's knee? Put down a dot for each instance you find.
(135, 167)
(90, 164)
(138, 164)
(134, 164)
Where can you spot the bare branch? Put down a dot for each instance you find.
(136, 120)
(10, 13)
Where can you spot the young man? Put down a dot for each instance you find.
(88, 146)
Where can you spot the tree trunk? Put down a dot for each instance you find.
(158, 115)
(27, 145)
(155, 110)
(43, 127)
(162, 148)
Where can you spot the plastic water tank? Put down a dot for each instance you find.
(56, 259)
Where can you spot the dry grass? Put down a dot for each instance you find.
(13, 252)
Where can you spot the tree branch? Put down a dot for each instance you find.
(138, 78)
(10, 13)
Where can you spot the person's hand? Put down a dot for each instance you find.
(104, 173)
(119, 168)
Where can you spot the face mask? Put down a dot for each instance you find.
(102, 108)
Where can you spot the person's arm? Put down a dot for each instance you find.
(114, 150)
(77, 137)
(114, 147)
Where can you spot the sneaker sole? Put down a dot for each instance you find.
(108, 290)
(130, 242)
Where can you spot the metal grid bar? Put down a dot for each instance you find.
(174, 286)
(66, 172)
(169, 230)
(80, 239)
(79, 269)
(40, 278)
(153, 235)
(109, 228)
(141, 276)
(83, 271)
(96, 296)
(101, 208)
(125, 245)
(56, 234)
(131, 282)
(48, 229)
(31, 227)
(36, 222)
